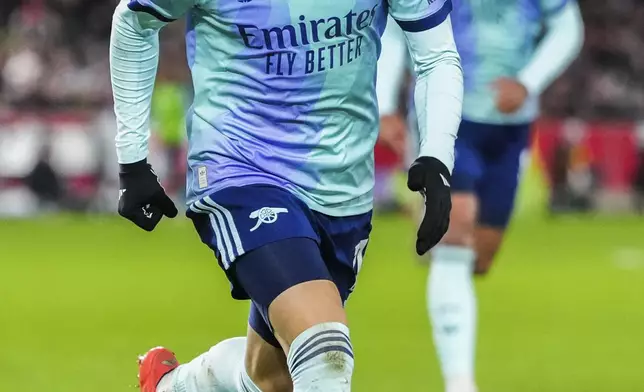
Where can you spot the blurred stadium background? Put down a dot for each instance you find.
(82, 292)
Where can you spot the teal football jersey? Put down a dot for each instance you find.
(497, 38)
(285, 92)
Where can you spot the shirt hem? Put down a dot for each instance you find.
(345, 210)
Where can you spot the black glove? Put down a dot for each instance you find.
(430, 177)
(142, 199)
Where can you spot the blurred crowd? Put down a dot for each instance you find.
(607, 80)
(53, 53)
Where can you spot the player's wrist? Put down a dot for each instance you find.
(523, 87)
(445, 157)
(531, 89)
(134, 167)
(427, 172)
(434, 165)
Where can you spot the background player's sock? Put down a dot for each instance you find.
(460, 384)
(219, 370)
(321, 359)
(452, 310)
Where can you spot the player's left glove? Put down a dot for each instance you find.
(142, 199)
(431, 178)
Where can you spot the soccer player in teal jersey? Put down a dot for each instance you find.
(281, 136)
(505, 70)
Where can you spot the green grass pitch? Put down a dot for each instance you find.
(563, 311)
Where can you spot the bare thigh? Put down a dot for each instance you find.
(304, 306)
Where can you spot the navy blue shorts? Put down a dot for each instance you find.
(267, 240)
(487, 165)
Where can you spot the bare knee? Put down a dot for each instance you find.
(462, 220)
(304, 306)
(487, 243)
(310, 324)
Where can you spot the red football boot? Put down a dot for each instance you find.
(155, 364)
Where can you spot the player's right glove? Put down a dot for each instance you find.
(431, 178)
(142, 199)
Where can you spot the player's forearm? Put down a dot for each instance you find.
(391, 69)
(439, 90)
(558, 48)
(134, 53)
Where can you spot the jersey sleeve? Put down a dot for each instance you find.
(391, 69)
(420, 15)
(558, 48)
(438, 94)
(551, 7)
(134, 55)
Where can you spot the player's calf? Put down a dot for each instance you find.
(488, 241)
(266, 365)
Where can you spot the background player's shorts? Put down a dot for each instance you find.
(267, 240)
(488, 165)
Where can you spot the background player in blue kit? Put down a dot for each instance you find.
(505, 70)
(281, 171)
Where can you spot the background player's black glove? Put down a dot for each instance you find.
(430, 177)
(142, 199)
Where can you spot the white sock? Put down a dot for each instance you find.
(321, 359)
(452, 310)
(221, 369)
